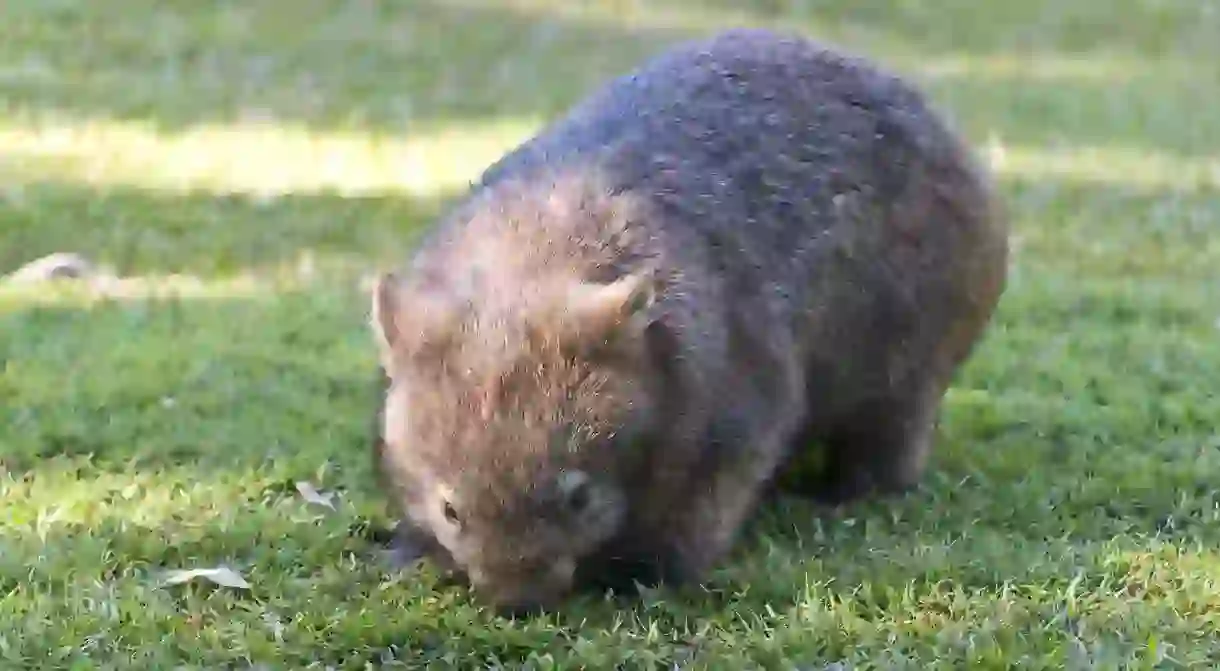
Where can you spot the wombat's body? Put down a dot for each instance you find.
(749, 247)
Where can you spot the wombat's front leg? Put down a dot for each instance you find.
(716, 511)
(880, 447)
(681, 552)
(702, 528)
(692, 523)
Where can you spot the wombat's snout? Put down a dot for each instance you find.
(525, 588)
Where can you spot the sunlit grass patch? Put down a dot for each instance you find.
(1110, 165)
(106, 287)
(272, 159)
(265, 158)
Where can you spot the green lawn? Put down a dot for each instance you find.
(245, 165)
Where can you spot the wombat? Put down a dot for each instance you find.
(751, 246)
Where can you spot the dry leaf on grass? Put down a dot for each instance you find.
(60, 265)
(312, 495)
(221, 575)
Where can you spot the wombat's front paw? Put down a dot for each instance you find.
(847, 488)
(616, 574)
(838, 489)
(622, 571)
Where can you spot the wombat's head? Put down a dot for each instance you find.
(510, 430)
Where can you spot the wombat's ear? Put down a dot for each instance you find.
(623, 301)
(385, 315)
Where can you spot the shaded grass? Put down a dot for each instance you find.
(141, 231)
(1072, 515)
(331, 64)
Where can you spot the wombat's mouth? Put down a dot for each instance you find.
(617, 571)
(403, 546)
(595, 575)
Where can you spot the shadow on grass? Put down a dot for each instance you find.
(396, 68)
(141, 230)
(356, 65)
(990, 25)
(280, 381)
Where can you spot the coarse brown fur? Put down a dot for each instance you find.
(749, 247)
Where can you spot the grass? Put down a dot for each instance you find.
(244, 165)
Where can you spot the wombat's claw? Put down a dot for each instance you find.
(836, 492)
(401, 555)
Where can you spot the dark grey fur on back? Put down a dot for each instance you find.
(771, 160)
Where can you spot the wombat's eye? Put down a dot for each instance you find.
(451, 514)
(574, 490)
(578, 497)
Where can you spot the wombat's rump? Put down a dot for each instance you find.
(750, 246)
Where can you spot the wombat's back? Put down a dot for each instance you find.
(804, 177)
(745, 132)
